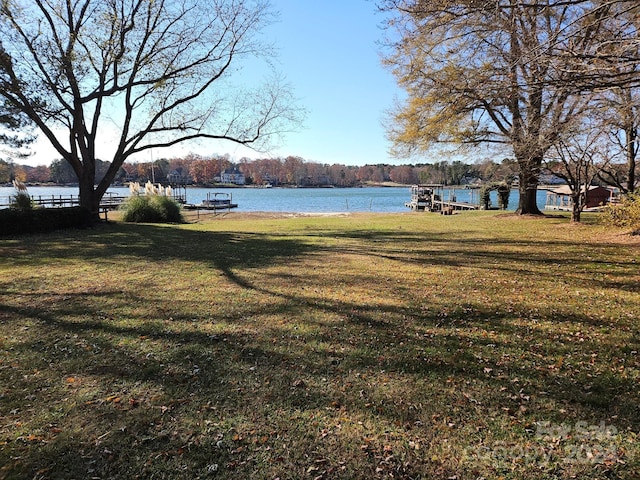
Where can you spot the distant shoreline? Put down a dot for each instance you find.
(365, 185)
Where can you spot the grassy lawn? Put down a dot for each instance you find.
(348, 347)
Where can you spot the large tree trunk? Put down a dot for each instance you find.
(90, 193)
(631, 136)
(631, 160)
(89, 198)
(576, 208)
(528, 204)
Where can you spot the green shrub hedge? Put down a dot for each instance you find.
(15, 221)
(151, 209)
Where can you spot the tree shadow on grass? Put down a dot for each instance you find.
(221, 250)
(171, 379)
(521, 258)
(236, 369)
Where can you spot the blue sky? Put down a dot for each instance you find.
(328, 51)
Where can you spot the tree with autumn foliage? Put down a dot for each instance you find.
(499, 72)
(203, 170)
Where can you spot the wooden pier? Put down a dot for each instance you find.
(204, 206)
(214, 201)
(428, 198)
(108, 202)
(447, 207)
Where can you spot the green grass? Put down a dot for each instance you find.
(366, 346)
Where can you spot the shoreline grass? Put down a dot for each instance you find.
(360, 346)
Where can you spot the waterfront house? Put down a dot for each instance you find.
(233, 175)
(560, 198)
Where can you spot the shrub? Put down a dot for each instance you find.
(21, 201)
(625, 214)
(151, 209)
(137, 209)
(14, 221)
(170, 210)
(503, 189)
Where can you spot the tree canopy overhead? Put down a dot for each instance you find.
(15, 131)
(160, 71)
(507, 72)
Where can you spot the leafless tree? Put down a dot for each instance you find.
(161, 71)
(621, 125)
(578, 157)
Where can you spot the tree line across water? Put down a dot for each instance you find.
(294, 171)
(288, 171)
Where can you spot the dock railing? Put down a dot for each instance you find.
(109, 201)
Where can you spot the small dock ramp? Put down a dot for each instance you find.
(429, 198)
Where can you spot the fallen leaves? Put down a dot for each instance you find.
(469, 342)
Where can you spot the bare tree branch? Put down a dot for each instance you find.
(163, 71)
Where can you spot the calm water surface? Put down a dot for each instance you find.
(300, 200)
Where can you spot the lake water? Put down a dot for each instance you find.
(299, 200)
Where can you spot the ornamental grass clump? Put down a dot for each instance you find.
(625, 214)
(21, 200)
(151, 208)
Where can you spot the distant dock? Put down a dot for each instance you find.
(214, 201)
(428, 198)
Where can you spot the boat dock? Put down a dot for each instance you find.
(109, 201)
(428, 198)
(214, 201)
(444, 206)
